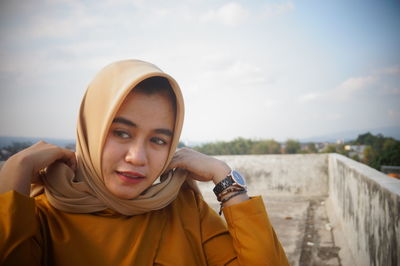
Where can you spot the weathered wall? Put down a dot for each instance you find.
(368, 205)
(297, 174)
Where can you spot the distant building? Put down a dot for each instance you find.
(392, 171)
(339, 141)
(355, 150)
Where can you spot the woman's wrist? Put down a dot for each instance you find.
(236, 199)
(232, 199)
(221, 171)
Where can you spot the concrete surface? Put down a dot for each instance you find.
(326, 209)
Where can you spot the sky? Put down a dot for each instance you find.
(254, 69)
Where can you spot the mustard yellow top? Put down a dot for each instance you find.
(186, 232)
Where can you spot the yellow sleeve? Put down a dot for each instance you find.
(19, 230)
(251, 239)
(216, 240)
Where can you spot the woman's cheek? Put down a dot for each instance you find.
(160, 158)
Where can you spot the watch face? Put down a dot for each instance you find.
(238, 178)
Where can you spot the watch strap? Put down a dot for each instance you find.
(225, 183)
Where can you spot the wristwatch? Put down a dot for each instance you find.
(234, 178)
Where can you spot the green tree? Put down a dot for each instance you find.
(368, 155)
(241, 146)
(311, 147)
(266, 147)
(330, 148)
(292, 146)
(390, 154)
(380, 150)
(181, 144)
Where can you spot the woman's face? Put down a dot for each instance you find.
(137, 144)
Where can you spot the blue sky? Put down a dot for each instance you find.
(256, 69)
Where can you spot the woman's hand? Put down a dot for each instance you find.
(202, 167)
(22, 169)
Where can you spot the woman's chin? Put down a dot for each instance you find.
(125, 193)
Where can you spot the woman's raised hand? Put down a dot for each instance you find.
(22, 169)
(202, 167)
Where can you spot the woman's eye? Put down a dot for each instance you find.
(159, 141)
(121, 134)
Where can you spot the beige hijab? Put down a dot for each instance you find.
(84, 191)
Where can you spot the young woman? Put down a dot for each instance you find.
(127, 197)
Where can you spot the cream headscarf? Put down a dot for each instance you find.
(84, 191)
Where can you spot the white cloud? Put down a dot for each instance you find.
(355, 84)
(388, 78)
(308, 97)
(351, 86)
(245, 73)
(277, 9)
(271, 103)
(230, 14)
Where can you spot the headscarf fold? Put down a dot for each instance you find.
(85, 191)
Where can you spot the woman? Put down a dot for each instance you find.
(126, 197)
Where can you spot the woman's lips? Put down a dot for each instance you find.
(130, 177)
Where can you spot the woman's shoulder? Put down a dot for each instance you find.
(187, 201)
(188, 197)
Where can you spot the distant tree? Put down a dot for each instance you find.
(390, 152)
(311, 147)
(330, 148)
(234, 147)
(355, 157)
(380, 150)
(12, 149)
(266, 147)
(340, 149)
(181, 144)
(215, 148)
(376, 142)
(368, 155)
(292, 146)
(241, 146)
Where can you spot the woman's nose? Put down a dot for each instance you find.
(136, 154)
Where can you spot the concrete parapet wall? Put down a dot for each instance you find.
(367, 204)
(297, 174)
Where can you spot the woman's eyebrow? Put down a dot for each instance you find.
(121, 120)
(164, 131)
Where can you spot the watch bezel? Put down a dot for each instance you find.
(236, 176)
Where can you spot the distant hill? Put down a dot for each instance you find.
(393, 132)
(7, 140)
